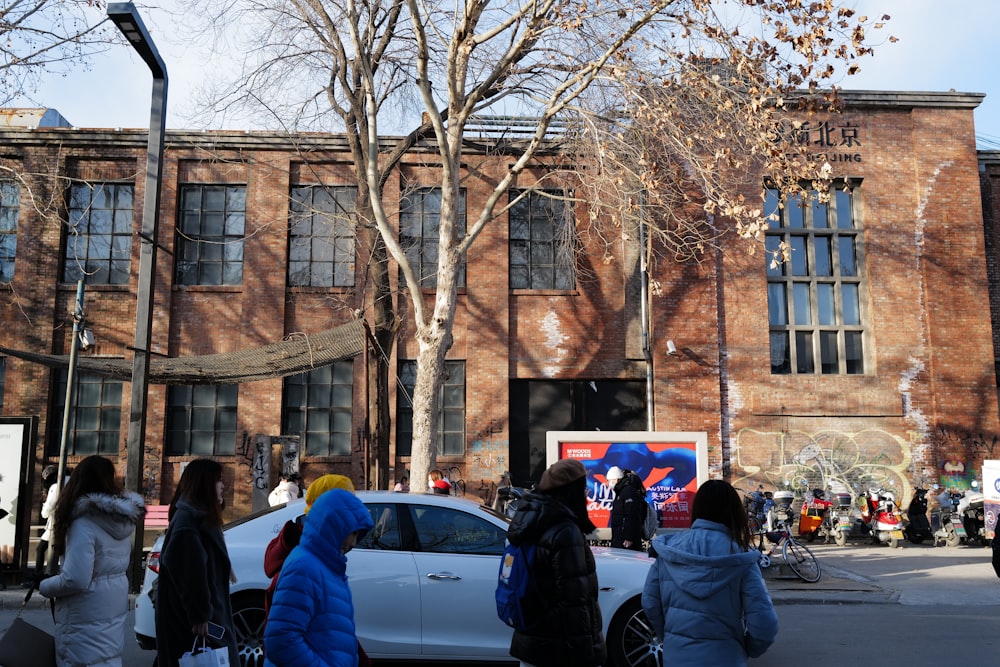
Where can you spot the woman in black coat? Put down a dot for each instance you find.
(193, 585)
(566, 626)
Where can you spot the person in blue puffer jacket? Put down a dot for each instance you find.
(311, 621)
(705, 596)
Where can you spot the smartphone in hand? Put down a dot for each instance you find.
(216, 631)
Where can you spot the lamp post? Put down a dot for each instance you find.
(126, 17)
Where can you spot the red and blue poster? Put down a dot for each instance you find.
(670, 465)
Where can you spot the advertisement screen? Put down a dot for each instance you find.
(670, 465)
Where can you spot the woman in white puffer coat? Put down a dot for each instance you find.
(94, 522)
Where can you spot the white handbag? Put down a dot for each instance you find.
(201, 655)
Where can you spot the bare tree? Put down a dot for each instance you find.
(44, 37)
(372, 62)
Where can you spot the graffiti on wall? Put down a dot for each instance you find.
(832, 460)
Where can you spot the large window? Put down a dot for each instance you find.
(317, 406)
(94, 417)
(201, 420)
(10, 205)
(815, 300)
(419, 234)
(542, 241)
(321, 236)
(210, 235)
(99, 236)
(451, 409)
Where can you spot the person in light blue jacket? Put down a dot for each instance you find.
(705, 596)
(311, 620)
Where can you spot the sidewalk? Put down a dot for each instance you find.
(836, 586)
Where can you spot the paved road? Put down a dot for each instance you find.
(913, 606)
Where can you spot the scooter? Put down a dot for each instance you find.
(971, 507)
(814, 517)
(919, 528)
(946, 520)
(779, 516)
(881, 516)
(841, 517)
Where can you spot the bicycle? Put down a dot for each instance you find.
(796, 555)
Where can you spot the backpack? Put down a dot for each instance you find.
(650, 523)
(516, 586)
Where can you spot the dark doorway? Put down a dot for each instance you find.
(539, 406)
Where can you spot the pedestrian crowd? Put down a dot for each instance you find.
(704, 595)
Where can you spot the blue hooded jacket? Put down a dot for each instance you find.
(707, 599)
(311, 621)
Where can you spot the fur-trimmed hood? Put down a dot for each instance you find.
(116, 515)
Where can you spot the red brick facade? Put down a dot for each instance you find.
(925, 407)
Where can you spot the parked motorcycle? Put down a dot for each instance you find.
(919, 527)
(971, 507)
(779, 516)
(946, 520)
(508, 497)
(841, 517)
(881, 516)
(814, 517)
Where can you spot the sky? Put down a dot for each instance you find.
(942, 46)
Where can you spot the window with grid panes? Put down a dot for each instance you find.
(542, 232)
(210, 228)
(321, 236)
(201, 419)
(94, 417)
(317, 406)
(10, 207)
(99, 234)
(815, 299)
(419, 221)
(451, 409)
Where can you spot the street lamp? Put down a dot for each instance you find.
(126, 17)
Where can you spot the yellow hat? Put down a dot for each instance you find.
(324, 484)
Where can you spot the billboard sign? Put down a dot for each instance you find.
(671, 465)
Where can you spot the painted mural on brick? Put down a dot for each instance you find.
(838, 461)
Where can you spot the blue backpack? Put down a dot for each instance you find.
(516, 588)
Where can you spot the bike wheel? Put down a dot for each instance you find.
(801, 560)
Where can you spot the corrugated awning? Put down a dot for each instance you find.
(298, 353)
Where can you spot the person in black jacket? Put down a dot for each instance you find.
(195, 571)
(629, 509)
(566, 629)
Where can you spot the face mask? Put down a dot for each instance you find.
(430, 484)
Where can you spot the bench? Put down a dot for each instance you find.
(155, 523)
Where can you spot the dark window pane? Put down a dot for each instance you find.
(854, 353)
(828, 352)
(804, 352)
(780, 356)
(793, 212)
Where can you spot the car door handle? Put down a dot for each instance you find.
(444, 575)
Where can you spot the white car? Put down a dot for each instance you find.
(423, 583)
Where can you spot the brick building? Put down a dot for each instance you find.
(869, 358)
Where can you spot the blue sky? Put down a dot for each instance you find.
(942, 46)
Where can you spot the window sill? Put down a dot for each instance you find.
(545, 292)
(228, 289)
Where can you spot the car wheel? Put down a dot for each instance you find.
(631, 642)
(840, 537)
(248, 622)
